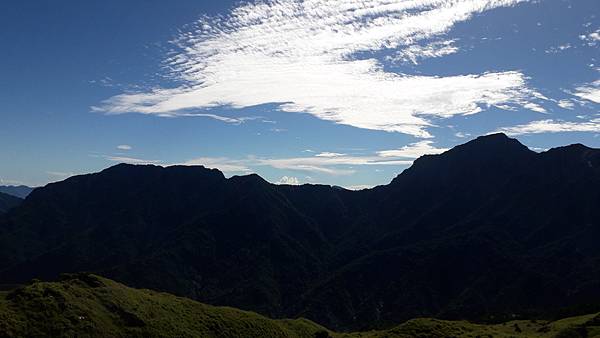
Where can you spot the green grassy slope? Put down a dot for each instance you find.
(86, 305)
(91, 306)
(582, 326)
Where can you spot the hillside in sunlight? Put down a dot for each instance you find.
(85, 305)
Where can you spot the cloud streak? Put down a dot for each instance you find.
(301, 55)
(329, 163)
(552, 126)
(413, 150)
(224, 164)
(590, 92)
(130, 160)
(289, 180)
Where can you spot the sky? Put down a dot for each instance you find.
(339, 92)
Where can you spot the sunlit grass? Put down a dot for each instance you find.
(85, 305)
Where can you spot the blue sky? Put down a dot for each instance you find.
(341, 92)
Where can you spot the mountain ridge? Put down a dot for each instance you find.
(445, 238)
(20, 191)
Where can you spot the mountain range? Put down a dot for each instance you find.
(20, 191)
(488, 230)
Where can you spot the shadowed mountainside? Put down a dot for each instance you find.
(8, 202)
(486, 230)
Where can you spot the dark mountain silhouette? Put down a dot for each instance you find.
(8, 202)
(19, 191)
(486, 230)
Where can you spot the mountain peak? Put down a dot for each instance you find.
(572, 148)
(490, 147)
(495, 136)
(492, 156)
(496, 140)
(250, 179)
(125, 168)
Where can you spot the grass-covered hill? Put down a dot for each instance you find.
(85, 305)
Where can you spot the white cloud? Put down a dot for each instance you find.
(339, 165)
(124, 147)
(591, 38)
(413, 150)
(414, 53)
(552, 126)
(558, 49)
(534, 107)
(301, 55)
(328, 154)
(332, 164)
(590, 92)
(336, 164)
(232, 120)
(359, 187)
(289, 180)
(566, 104)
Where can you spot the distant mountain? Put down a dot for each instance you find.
(84, 305)
(484, 231)
(8, 202)
(20, 191)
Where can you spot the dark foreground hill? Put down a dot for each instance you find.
(84, 305)
(8, 202)
(487, 230)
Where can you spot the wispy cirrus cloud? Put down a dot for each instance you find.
(226, 119)
(124, 147)
(414, 53)
(329, 154)
(130, 160)
(552, 126)
(226, 165)
(566, 104)
(413, 150)
(340, 165)
(329, 163)
(302, 56)
(590, 92)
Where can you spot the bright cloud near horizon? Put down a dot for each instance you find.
(247, 87)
